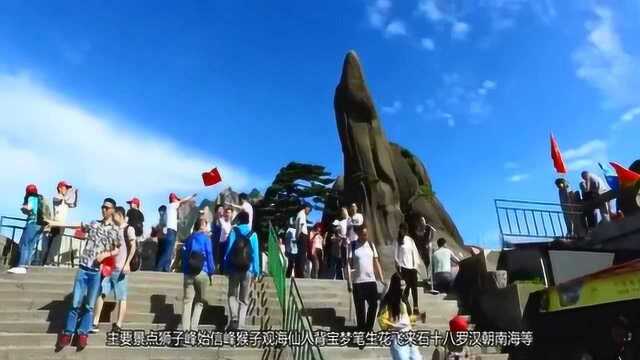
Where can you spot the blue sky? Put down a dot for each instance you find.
(130, 98)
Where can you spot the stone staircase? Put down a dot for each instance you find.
(33, 308)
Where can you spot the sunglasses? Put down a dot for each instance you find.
(105, 207)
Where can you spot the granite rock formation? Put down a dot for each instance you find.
(390, 183)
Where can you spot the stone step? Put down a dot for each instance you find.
(42, 327)
(115, 353)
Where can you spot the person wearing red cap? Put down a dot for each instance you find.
(457, 324)
(135, 217)
(165, 251)
(32, 231)
(65, 198)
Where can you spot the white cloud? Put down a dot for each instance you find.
(459, 30)
(420, 109)
(393, 109)
(428, 44)
(586, 155)
(603, 62)
(518, 177)
(396, 27)
(627, 117)
(581, 164)
(378, 13)
(630, 115)
(510, 165)
(489, 84)
(51, 138)
(430, 10)
(587, 149)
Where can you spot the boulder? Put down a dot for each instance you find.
(388, 181)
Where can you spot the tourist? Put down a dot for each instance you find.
(442, 276)
(302, 238)
(166, 247)
(316, 244)
(32, 231)
(363, 259)
(242, 265)
(407, 261)
(334, 252)
(63, 200)
(354, 221)
(451, 350)
(291, 248)
(197, 267)
(593, 187)
(117, 281)
(225, 228)
(343, 223)
(245, 206)
(102, 241)
(423, 234)
(135, 218)
(394, 316)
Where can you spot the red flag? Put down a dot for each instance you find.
(211, 177)
(79, 233)
(558, 162)
(626, 177)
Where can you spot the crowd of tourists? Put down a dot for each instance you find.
(226, 245)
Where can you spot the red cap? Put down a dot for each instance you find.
(458, 324)
(31, 189)
(65, 184)
(134, 201)
(173, 197)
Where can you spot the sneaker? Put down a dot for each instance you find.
(115, 328)
(63, 341)
(82, 342)
(18, 270)
(94, 329)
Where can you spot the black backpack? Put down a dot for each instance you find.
(134, 264)
(241, 253)
(195, 263)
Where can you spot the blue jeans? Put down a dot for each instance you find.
(85, 291)
(166, 249)
(405, 352)
(28, 242)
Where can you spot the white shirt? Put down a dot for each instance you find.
(407, 255)
(60, 208)
(301, 222)
(344, 225)
(363, 263)
(172, 215)
(442, 260)
(121, 258)
(225, 227)
(246, 206)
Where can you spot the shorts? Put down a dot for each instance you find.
(117, 283)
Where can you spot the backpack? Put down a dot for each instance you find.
(44, 211)
(134, 264)
(241, 253)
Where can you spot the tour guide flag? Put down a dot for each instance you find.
(612, 179)
(613, 284)
(558, 163)
(211, 177)
(626, 177)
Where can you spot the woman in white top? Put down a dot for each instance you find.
(407, 260)
(394, 316)
(363, 259)
(316, 244)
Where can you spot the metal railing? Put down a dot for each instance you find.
(291, 303)
(70, 245)
(295, 322)
(535, 221)
(276, 267)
